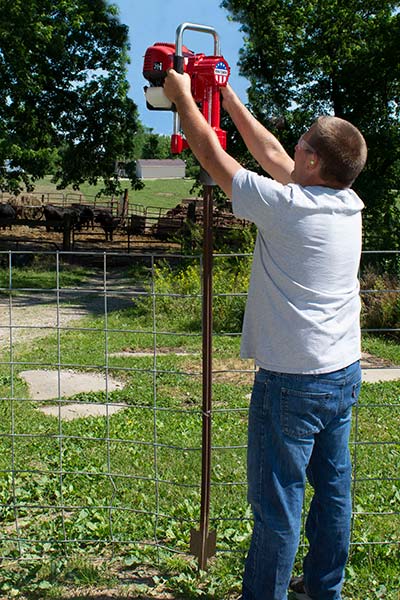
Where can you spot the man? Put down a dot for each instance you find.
(301, 326)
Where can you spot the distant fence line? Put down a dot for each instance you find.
(128, 225)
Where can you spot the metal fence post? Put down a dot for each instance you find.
(203, 542)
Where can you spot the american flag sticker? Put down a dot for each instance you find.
(221, 73)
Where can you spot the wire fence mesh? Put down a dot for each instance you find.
(101, 418)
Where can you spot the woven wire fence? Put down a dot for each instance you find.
(101, 416)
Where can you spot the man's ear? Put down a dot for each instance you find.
(313, 163)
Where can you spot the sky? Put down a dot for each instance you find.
(151, 21)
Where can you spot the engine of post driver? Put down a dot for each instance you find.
(207, 73)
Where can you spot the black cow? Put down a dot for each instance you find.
(57, 216)
(7, 214)
(86, 216)
(53, 214)
(107, 222)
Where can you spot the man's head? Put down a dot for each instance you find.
(333, 151)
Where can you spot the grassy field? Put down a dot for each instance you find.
(130, 483)
(160, 193)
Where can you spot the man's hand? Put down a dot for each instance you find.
(177, 85)
(228, 96)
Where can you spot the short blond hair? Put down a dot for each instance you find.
(341, 149)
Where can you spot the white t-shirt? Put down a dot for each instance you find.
(303, 308)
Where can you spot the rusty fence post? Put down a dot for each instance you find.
(203, 542)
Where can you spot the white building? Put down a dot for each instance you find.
(160, 169)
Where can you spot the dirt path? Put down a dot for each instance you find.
(34, 313)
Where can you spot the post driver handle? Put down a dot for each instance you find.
(179, 60)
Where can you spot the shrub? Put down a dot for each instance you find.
(179, 297)
(380, 300)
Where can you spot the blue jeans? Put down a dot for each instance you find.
(299, 426)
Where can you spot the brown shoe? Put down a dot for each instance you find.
(296, 586)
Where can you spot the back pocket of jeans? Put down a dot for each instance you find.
(303, 413)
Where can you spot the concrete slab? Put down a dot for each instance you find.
(380, 374)
(46, 384)
(69, 412)
(140, 354)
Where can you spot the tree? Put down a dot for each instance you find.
(156, 146)
(63, 93)
(151, 145)
(310, 57)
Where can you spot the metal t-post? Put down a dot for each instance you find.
(203, 542)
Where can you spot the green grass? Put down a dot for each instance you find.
(159, 193)
(145, 462)
(163, 193)
(40, 272)
(382, 347)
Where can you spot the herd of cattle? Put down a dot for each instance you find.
(153, 224)
(76, 217)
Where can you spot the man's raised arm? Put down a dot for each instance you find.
(262, 144)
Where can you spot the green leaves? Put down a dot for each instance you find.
(305, 58)
(64, 106)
